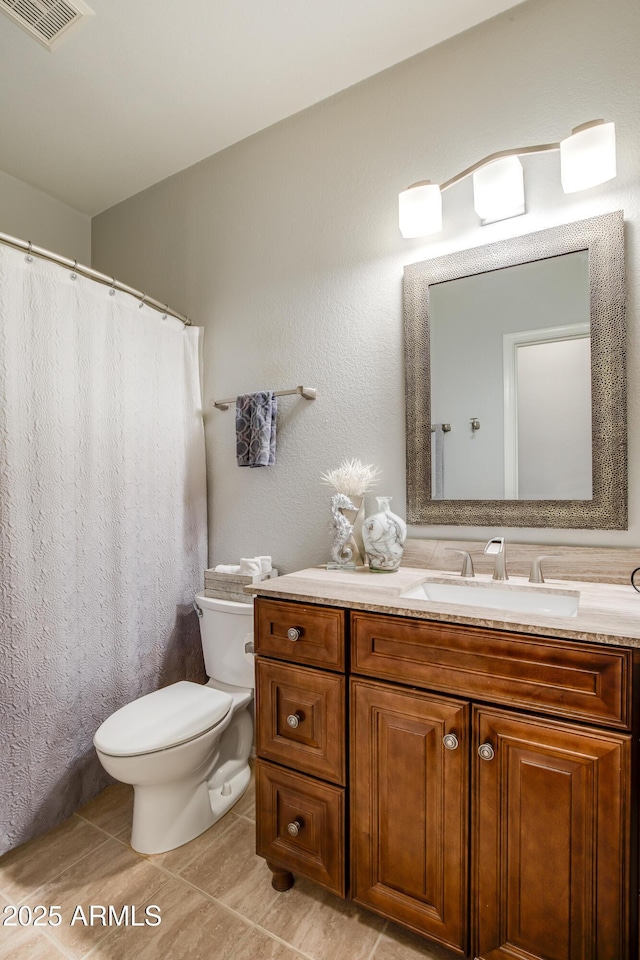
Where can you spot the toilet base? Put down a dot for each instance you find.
(223, 798)
(167, 815)
(180, 815)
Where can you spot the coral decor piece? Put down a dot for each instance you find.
(351, 480)
(352, 477)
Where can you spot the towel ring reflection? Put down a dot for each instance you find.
(635, 586)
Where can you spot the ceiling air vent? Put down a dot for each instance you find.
(46, 20)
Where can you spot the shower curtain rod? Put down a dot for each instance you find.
(32, 250)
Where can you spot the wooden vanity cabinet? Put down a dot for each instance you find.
(301, 742)
(489, 778)
(549, 835)
(550, 827)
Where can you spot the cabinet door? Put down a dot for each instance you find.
(551, 810)
(409, 808)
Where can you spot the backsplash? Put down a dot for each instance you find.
(591, 564)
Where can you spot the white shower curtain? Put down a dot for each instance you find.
(102, 526)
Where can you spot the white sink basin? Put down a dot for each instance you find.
(499, 596)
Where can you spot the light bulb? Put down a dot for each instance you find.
(588, 156)
(420, 210)
(498, 190)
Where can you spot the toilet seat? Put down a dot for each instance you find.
(162, 719)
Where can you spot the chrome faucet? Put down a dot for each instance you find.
(467, 562)
(496, 548)
(536, 567)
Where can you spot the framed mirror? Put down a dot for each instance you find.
(515, 367)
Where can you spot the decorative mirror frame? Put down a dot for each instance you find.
(603, 237)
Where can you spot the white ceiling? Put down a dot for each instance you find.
(148, 87)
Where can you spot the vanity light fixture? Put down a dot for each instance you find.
(587, 158)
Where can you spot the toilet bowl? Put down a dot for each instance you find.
(185, 748)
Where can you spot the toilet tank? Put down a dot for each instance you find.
(226, 627)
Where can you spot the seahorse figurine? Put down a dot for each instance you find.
(342, 529)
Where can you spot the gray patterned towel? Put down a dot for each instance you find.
(256, 429)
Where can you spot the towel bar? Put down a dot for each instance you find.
(309, 393)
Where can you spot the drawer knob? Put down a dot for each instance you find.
(450, 741)
(294, 828)
(293, 720)
(486, 751)
(293, 633)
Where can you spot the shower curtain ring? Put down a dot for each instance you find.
(74, 275)
(142, 300)
(112, 292)
(28, 257)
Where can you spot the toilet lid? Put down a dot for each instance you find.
(162, 719)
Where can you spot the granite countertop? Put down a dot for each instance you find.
(607, 613)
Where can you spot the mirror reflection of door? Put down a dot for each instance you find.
(547, 414)
(469, 319)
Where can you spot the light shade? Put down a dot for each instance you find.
(420, 210)
(588, 156)
(498, 190)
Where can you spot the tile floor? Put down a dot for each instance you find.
(215, 898)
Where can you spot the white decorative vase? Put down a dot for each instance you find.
(384, 535)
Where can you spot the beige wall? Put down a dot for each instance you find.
(286, 248)
(30, 214)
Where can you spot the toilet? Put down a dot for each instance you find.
(185, 748)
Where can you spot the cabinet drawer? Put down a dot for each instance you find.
(300, 634)
(288, 802)
(561, 677)
(300, 717)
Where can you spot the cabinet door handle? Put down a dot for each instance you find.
(293, 633)
(293, 720)
(486, 751)
(450, 741)
(294, 828)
